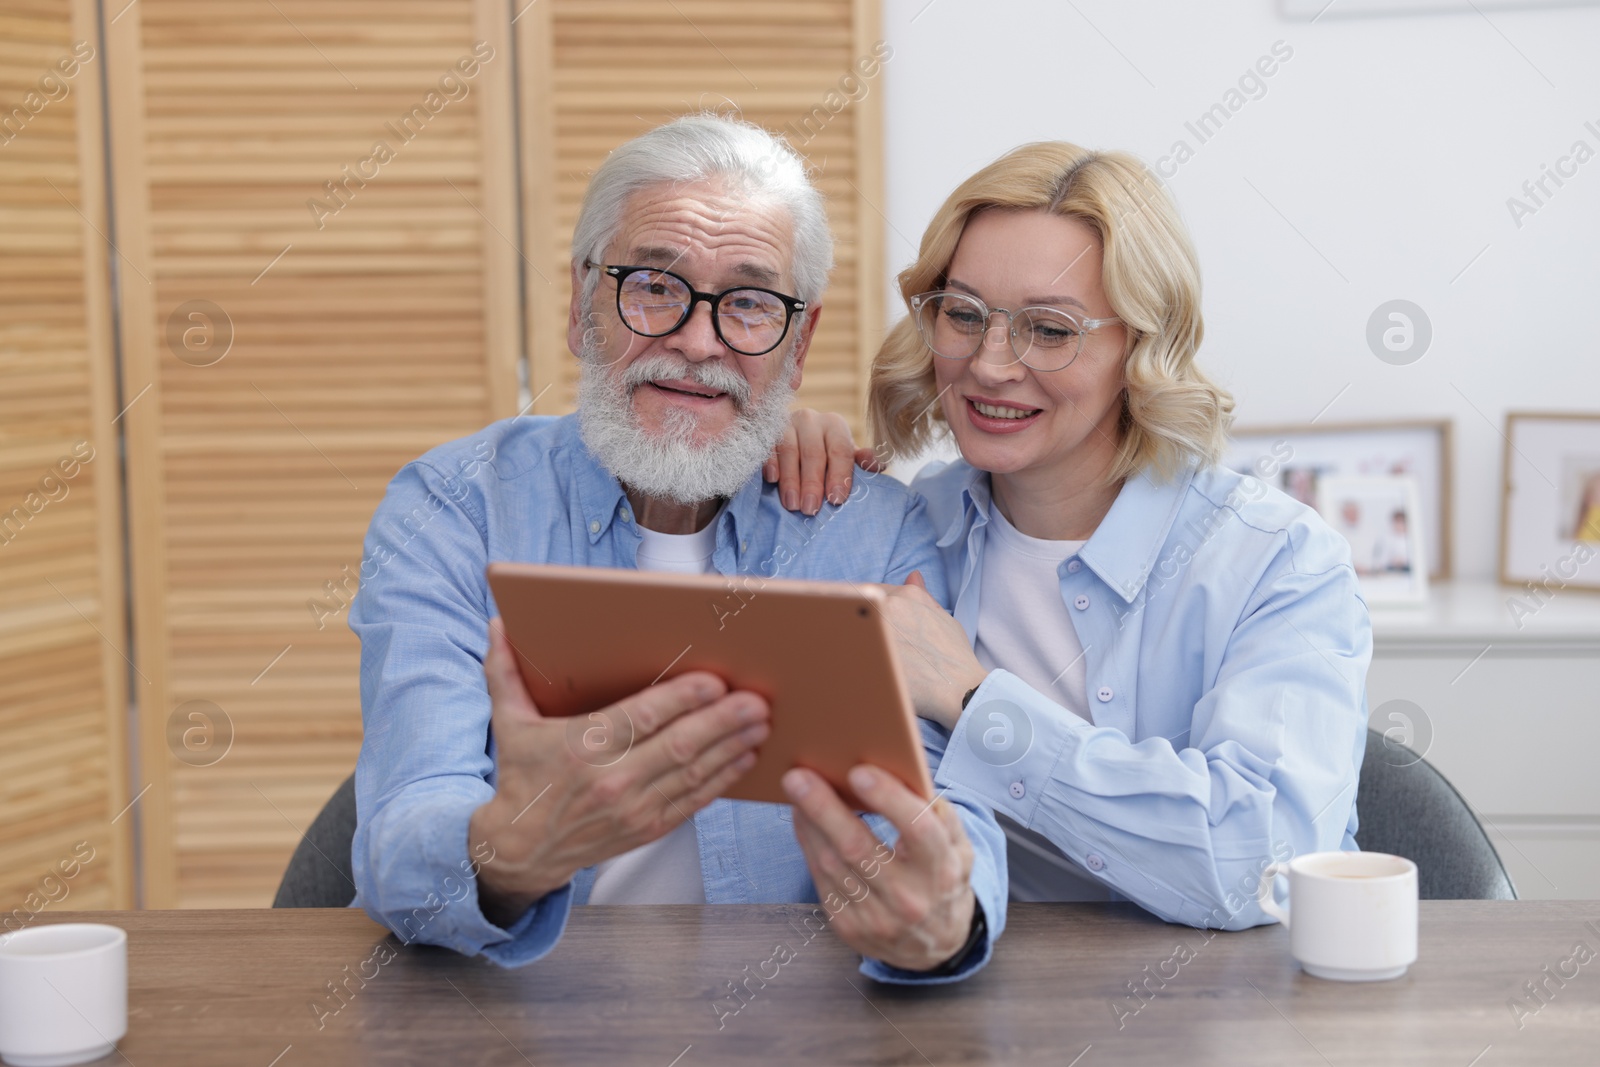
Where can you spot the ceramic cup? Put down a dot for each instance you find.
(1352, 916)
(63, 993)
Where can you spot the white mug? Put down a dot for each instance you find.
(1354, 913)
(63, 993)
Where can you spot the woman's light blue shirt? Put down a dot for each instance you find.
(1226, 648)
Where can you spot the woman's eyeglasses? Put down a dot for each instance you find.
(1043, 338)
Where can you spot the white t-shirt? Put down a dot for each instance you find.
(667, 870)
(1024, 627)
(1022, 621)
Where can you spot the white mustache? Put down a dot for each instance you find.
(712, 375)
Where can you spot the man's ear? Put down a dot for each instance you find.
(808, 327)
(575, 324)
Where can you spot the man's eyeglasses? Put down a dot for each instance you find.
(653, 303)
(1044, 338)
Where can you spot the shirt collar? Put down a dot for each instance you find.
(974, 510)
(1123, 549)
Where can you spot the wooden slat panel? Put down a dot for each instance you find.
(598, 72)
(63, 690)
(370, 319)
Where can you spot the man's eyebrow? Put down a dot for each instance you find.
(665, 258)
(1059, 298)
(757, 273)
(654, 255)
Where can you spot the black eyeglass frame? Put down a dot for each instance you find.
(791, 305)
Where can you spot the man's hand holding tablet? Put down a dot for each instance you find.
(913, 910)
(681, 743)
(554, 814)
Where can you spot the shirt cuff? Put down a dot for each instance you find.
(971, 961)
(531, 936)
(1007, 749)
(1006, 745)
(425, 887)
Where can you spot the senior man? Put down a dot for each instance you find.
(479, 825)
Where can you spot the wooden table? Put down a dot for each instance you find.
(639, 985)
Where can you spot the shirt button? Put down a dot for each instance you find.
(594, 525)
(1018, 790)
(1105, 693)
(1094, 862)
(744, 546)
(1081, 602)
(1074, 566)
(627, 516)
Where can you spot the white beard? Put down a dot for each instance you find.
(670, 465)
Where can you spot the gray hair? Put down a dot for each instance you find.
(758, 166)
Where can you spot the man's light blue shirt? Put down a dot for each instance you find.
(1225, 645)
(528, 490)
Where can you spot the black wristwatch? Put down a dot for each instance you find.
(967, 699)
(977, 936)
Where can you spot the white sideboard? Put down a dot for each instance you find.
(1506, 704)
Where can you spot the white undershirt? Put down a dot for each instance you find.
(1024, 627)
(1022, 621)
(667, 870)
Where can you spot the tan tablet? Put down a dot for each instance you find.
(820, 653)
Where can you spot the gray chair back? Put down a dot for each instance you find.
(319, 874)
(1408, 809)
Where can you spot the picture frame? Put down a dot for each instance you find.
(1379, 517)
(1312, 10)
(1293, 457)
(1550, 500)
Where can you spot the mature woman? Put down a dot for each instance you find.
(1156, 671)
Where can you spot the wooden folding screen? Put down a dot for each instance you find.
(316, 200)
(64, 665)
(322, 265)
(596, 72)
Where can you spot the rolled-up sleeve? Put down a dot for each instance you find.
(421, 614)
(1269, 769)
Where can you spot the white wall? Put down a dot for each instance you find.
(1390, 144)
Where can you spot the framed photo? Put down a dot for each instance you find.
(1302, 10)
(1550, 513)
(1378, 516)
(1296, 458)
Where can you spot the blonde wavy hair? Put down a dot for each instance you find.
(1173, 415)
